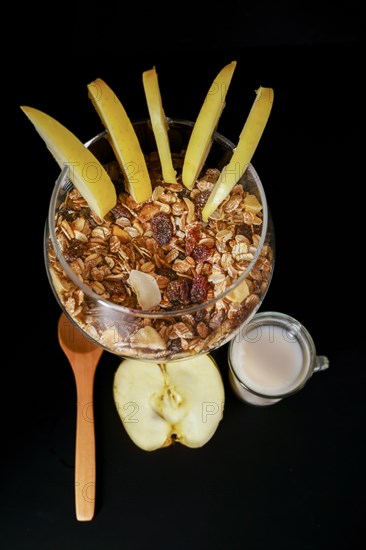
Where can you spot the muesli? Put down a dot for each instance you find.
(189, 261)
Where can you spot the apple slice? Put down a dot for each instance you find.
(159, 404)
(85, 171)
(159, 123)
(123, 140)
(201, 138)
(243, 153)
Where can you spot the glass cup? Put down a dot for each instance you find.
(273, 357)
(174, 332)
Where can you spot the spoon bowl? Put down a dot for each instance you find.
(83, 356)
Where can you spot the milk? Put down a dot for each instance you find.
(269, 360)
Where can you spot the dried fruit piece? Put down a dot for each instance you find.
(179, 291)
(162, 228)
(201, 138)
(199, 289)
(85, 171)
(248, 142)
(200, 253)
(148, 337)
(201, 198)
(121, 234)
(123, 140)
(252, 204)
(159, 123)
(120, 210)
(75, 250)
(239, 293)
(146, 289)
(193, 235)
(114, 287)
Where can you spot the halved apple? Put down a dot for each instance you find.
(159, 123)
(85, 171)
(243, 153)
(206, 123)
(159, 404)
(123, 140)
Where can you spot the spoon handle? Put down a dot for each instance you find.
(85, 470)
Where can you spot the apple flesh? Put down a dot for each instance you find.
(123, 140)
(85, 171)
(159, 404)
(159, 123)
(248, 141)
(201, 138)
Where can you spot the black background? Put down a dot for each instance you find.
(291, 476)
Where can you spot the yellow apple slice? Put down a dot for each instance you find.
(243, 153)
(201, 138)
(85, 171)
(123, 140)
(159, 123)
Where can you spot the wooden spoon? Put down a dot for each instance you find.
(83, 356)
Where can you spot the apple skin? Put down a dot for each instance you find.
(180, 401)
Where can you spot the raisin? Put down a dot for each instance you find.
(162, 228)
(200, 253)
(120, 210)
(199, 289)
(67, 214)
(202, 316)
(190, 244)
(239, 316)
(74, 250)
(114, 287)
(217, 319)
(201, 198)
(185, 291)
(169, 273)
(172, 290)
(184, 193)
(179, 291)
(245, 230)
(193, 236)
(175, 345)
(85, 213)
